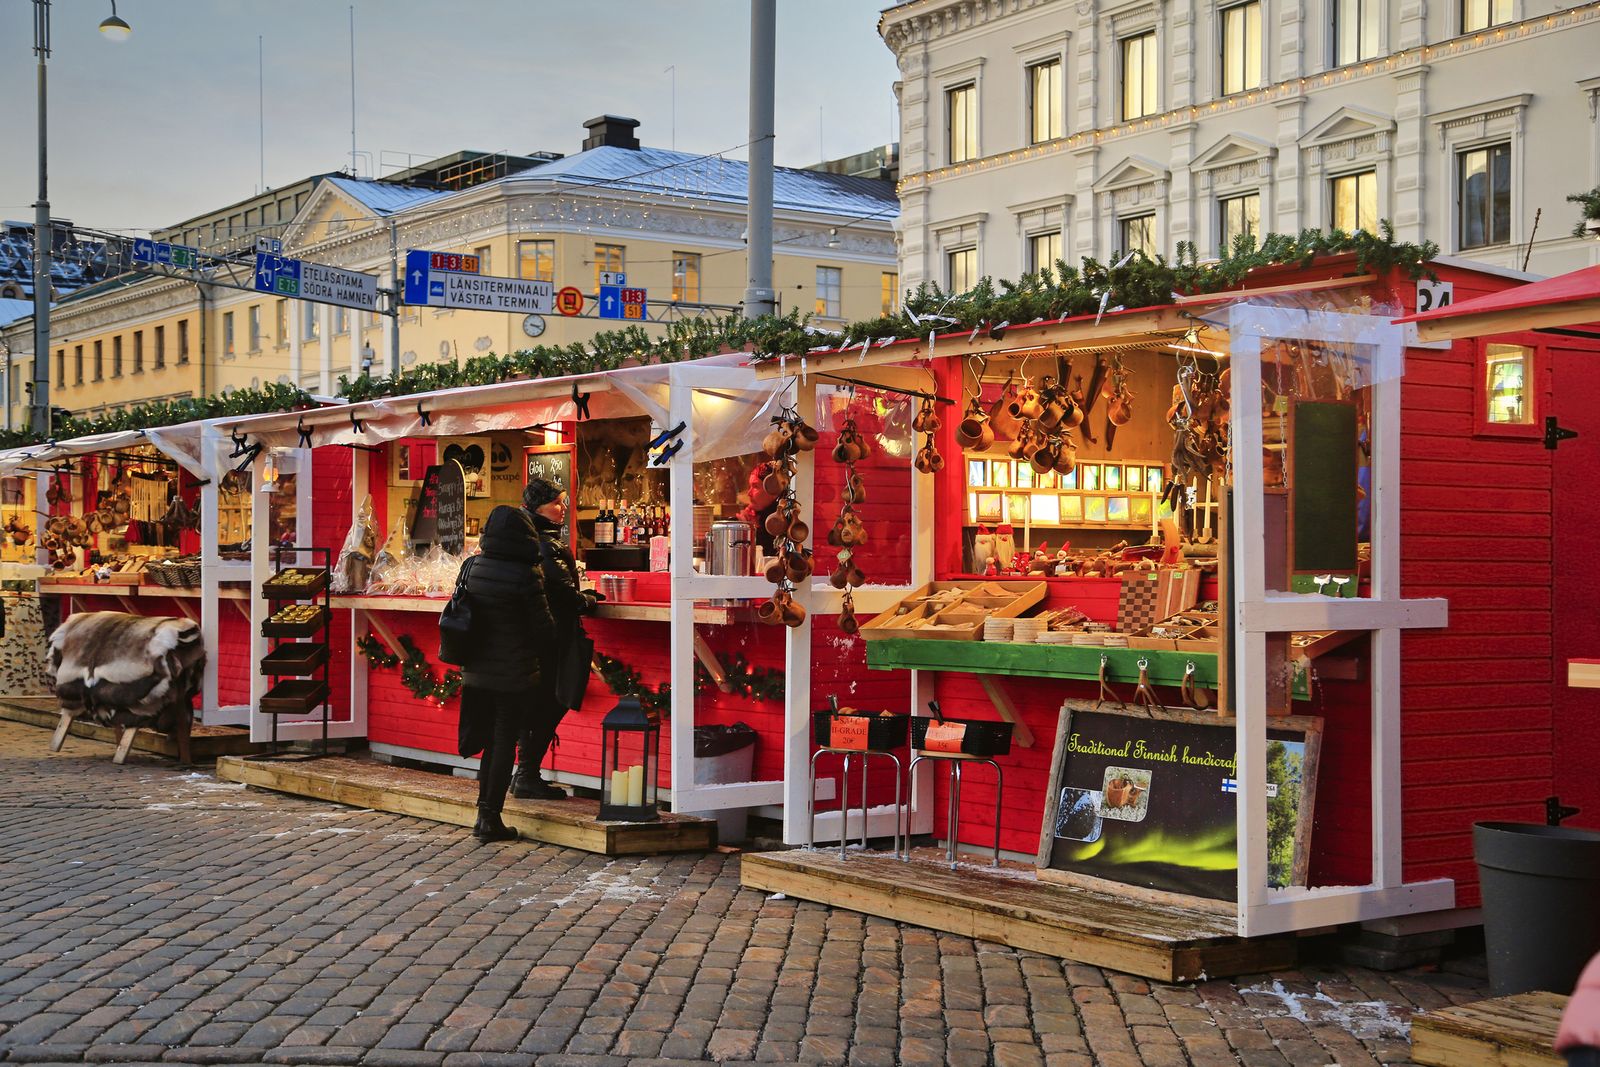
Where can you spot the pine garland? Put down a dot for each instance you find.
(376, 651)
(416, 673)
(754, 683)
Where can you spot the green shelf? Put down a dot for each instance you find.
(1038, 661)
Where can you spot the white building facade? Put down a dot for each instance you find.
(1033, 130)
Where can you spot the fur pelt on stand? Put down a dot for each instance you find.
(128, 670)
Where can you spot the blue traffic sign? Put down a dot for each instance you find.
(452, 279)
(622, 302)
(275, 274)
(417, 275)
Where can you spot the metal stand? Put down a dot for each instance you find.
(953, 819)
(844, 800)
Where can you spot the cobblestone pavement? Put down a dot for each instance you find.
(148, 914)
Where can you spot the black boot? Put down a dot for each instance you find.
(529, 784)
(490, 828)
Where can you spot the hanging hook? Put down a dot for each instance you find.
(304, 431)
(427, 419)
(355, 422)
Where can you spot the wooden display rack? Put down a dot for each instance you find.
(1516, 1031)
(1166, 942)
(366, 783)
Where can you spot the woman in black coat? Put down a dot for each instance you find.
(547, 504)
(511, 630)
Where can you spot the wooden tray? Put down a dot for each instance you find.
(296, 629)
(294, 659)
(275, 588)
(954, 619)
(298, 696)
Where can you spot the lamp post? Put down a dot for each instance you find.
(117, 30)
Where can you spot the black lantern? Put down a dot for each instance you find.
(630, 759)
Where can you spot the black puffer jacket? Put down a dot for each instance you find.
(511, 624)
(567, 600)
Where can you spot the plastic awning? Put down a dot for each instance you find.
(1565, 300)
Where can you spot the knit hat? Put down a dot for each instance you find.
(540, 492)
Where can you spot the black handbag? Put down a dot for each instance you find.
(455, 622)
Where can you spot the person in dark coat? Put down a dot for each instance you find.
(511, 630)
(547, 504)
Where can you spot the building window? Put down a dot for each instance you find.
(1238, 216)
(1138, 234)
(485, 261)
(160, 353)
(611, 258)
(961, 116)
(77, 365)
(1355, 30)
(1139, 75)
(227, 333)
(116, 356)
(1507, 386)
(889, 292)
(830, 292)
(1484, 195)
(1045, 119)
(61, 368)
(183, 340)
(99, 362)
(536, 260)
(310, 322)
(280, 323)
(1355, 201)
(341, 321)
(961, 269)
(1481, 14)
(138, 351)
(1043, 251)
(1241, 47)
(686, 276)
(253, 324)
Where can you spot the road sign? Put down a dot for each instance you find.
(164, 254)
(443, 279)
(613, 277)
(272, 246)
(316, 282)
(569, 300)
(620, 302)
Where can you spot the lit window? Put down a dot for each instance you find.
(1481, 14)
(1241, 47)
(1043, 251)
(608, 258)
(1045, 99)
(255, 327)
(1139, 234)
(1238, 216)
(830, 291)
(1355, 30)
(961, 110)
(686, 276)
(889, 292)
(1139, 69)
(536, 260)
(484, 258)
(1509, 370)
(1355, 201)
(961, 268)
(1484, 195)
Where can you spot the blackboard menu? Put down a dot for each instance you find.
(1150, 800)
(554, 463)
(442, 508)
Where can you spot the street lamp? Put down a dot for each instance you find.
(118, 30)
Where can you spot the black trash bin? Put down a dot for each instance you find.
(1541, 903)
(723, 755)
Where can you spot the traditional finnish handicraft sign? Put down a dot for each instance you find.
(1150, 800)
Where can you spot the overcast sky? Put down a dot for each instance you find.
(164, 126)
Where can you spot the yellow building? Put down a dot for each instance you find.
(672, 221)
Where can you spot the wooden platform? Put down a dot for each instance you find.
(1160, 941)
(206, 742)
(366, 783)
(1517, 1031)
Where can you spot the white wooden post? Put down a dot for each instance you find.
(210, 561)
(359, 695)
(797, 647)
(260, 571)
(680, 494)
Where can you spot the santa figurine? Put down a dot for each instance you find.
(983, 551)
(1041, 559)
(990, 570)
(1005, 545)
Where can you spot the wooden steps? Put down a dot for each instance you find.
(366, 783)
(1516, 1031)
(1161, 941)
(206, 743)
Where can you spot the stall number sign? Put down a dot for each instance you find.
(1431, 296)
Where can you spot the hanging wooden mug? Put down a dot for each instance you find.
(974, 431)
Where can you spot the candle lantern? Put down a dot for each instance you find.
(630, 757)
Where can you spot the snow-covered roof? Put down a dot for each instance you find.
(12, 310)
(384, 198)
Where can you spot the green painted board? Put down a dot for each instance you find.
(1039, 661)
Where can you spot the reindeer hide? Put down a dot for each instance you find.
(127, 670)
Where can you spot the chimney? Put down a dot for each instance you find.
(611, 130)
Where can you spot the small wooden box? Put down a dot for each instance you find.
(957, 614)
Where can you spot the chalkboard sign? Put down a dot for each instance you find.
(554, 463)
(1149, 799)
(1322, 486)
(441, 516)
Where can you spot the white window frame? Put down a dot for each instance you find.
(829, 291)
(1381, 17)
(1263, 53)
(1028, 259)
(954, 77)
(1378, 199)
(949, 111)
(1460, 16)
(1222, 200)
(1121, 65)
(1462, 129)
(1031, 53)
(1119, 244)
(521, 257)
(949, 255)
(252, 317)
(681, 289)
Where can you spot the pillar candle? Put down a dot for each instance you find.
(619, 787)
(636, 785)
